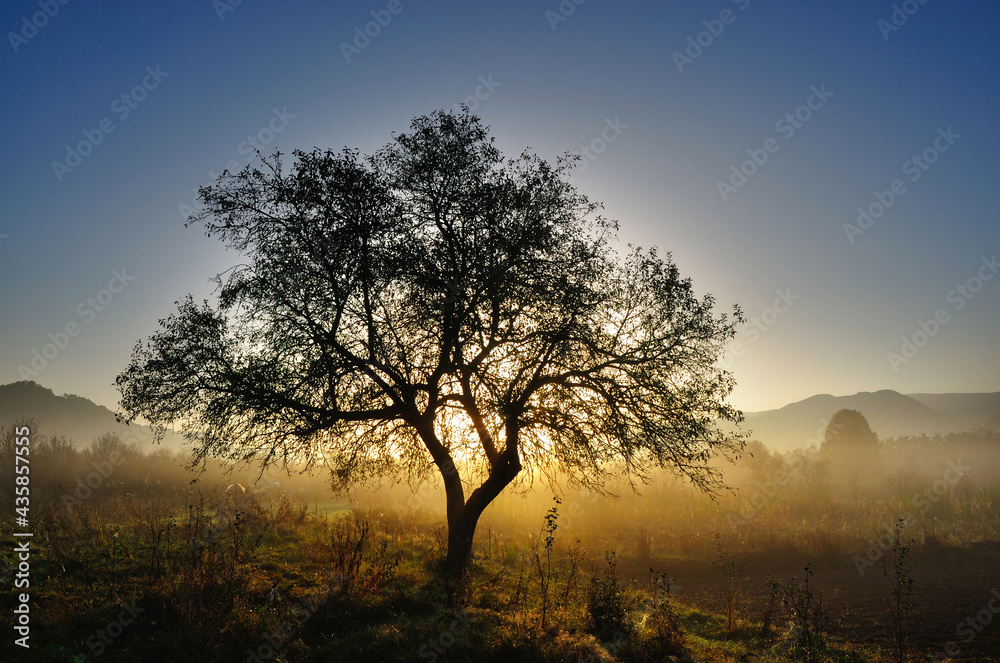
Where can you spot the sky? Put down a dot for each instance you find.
(830, 167)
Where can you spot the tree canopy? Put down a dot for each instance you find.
(848, 431)
(853, 451)
(437, 308)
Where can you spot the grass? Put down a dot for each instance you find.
(181, 573)
(280, 582)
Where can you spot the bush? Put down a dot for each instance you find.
(608, 604)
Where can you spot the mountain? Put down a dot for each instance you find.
(795, 425)
(890, 414)
(977, 409)
(74, 417)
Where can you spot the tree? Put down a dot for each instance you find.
(853, 450)
(437, 308)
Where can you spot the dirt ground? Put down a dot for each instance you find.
(951, 585)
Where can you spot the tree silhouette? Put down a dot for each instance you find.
(435, 308)
(852, 449)
(848, 431)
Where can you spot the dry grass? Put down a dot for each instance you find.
(214, 576)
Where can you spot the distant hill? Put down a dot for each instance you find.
(795, 425)
(889, 413)
(977, 409)
(74, 417)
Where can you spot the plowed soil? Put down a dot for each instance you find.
(952, 585)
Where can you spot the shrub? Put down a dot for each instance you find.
(607, 602)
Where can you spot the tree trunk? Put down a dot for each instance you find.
(460, 538)
(463, 518)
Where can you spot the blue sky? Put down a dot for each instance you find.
(664, 131)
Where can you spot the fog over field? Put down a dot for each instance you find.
(841, 510)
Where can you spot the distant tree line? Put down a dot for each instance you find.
(63, 473)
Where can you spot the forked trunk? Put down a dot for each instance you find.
(463, 517)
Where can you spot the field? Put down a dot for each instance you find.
(145, 566)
